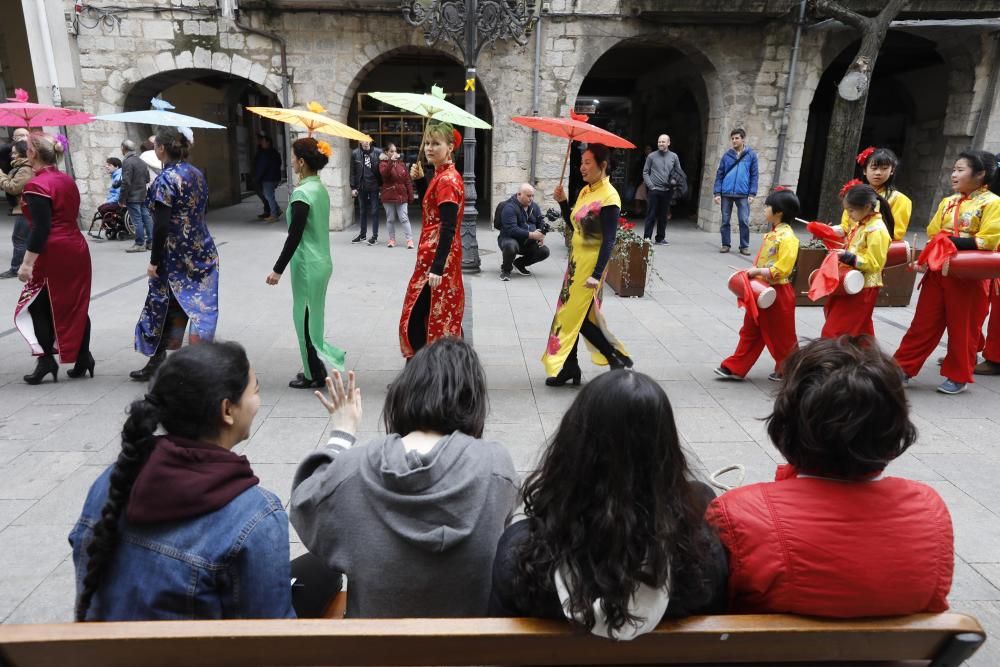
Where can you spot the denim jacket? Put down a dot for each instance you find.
(230, 563)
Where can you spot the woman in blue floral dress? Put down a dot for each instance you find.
(184, 265)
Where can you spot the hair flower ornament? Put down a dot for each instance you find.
(457, 137)
(864, 155)
(64, 141)
(848, 185)
(324, 148)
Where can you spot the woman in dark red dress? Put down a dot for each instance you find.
(435, 298)
(52, 312)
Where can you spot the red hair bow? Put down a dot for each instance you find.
(457, 136)
(864, 155)
(848, 185)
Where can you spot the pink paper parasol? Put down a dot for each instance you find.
(19, 112)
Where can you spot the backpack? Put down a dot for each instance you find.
(498, 213)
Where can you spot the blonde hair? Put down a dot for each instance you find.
(48, 149)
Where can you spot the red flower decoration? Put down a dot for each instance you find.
(457, 136)
(848, 185)
(864, 155)
(780, 188)
(582, 117)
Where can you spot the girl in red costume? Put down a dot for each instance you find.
(435, 297)
(773, 327)
(866, 244)
(970, 219)
(52, 312)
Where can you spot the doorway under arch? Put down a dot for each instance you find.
(414, 69)
(224, 156)
(640, 89)
(907, 104)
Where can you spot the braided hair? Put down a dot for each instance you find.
(184, 398)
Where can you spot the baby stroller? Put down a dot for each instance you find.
(114, 220)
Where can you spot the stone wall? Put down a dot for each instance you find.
(744, 70)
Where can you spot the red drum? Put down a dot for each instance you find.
(764, 293)
(899, 253)
(852, 281)
(973, 265)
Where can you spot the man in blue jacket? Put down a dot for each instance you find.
(520, 219)
(736, 183)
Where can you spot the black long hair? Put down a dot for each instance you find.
(981, 162)
(883, 157)
(610, 503)
(184, 397)
(865, 195)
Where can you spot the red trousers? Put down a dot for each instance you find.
(991, 351)
(850, 314)
(774, 329)
(952, 304)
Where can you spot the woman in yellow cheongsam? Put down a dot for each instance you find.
(594, 221)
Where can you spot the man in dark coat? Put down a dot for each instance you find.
(266, 176)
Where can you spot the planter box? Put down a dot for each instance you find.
(627, 274)
(896, 290)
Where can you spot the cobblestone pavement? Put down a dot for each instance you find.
(56, 438)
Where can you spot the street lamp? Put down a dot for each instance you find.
(471, 25)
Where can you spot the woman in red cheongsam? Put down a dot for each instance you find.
(52, 311)
(435, 296)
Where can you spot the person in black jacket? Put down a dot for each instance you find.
(614, 538)
(365, 184)
(266, 176)
(520, 233)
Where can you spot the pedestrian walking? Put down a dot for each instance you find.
(663, 176)
(365, 183)
(307, 252)
(52, 312)
(184, 265)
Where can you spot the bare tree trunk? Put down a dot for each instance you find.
(848, 116)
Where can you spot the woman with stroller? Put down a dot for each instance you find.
(52, 312)
(184, 273)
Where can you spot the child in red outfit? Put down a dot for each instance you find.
(772, 327)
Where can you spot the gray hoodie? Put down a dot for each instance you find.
(414, 533)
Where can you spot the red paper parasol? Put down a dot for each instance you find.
(19, 112)
(574, 128)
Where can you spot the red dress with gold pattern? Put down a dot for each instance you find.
(63, 267)
(448, 300)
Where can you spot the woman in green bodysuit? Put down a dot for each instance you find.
(307, 251)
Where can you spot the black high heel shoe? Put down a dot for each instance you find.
(46, 364)
(83, 366)
(147, 371)
(567, 374)
(619, 360)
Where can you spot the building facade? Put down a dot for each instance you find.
(694, 69)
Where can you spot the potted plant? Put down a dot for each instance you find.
(629, 263)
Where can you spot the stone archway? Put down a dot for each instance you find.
(905, 112)
(663, 85)
(129, 86)
(225, 156)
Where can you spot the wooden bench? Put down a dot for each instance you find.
(941, 640)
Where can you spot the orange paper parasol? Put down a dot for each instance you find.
(574, 128)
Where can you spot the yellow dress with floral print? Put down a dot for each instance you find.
(575, 298)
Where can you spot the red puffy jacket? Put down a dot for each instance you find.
(397, 188)
(822, 547)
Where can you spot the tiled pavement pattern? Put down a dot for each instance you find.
(56, 438)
